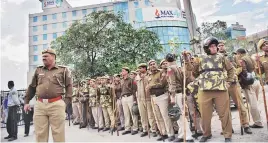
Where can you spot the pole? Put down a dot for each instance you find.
(184, 101)
(240, 113)
(263, 91)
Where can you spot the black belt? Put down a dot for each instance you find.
(126, 95)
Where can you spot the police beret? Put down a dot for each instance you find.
(222, 41)
(88, 78)
(151, 61)
(126, 68)
(142, 65)
(50, 51)
(261, 42)
(93, 80)
(134, 72)
(164, 60)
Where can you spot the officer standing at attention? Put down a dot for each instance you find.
(263, 59)
(49, 83)
(213, 87)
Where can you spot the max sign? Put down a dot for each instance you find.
(51, 3)
(166, 13)
(162, 13)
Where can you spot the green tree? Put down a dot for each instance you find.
(216, 29)
(103, 43)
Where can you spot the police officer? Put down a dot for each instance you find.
(105, 98)
(84, 100)
(49, 83)
(213, 87)
(234, 92)
(129, 98)
(247, 65)
(76, 105)
(144, 102)
(95, 106)
(263, 59)
(157, 88)
(175, 80)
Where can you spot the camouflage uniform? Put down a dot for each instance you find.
(96, 110)
(84, 100)
(212, 89)
(76, 106)
(105, 97)
(263, 60)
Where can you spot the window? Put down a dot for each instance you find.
(94, 9)
(74, 13)
(147, 2)
(64, 15)
(35, 38)
(54, 35)
(44, 36)
(64, 24)
(136, 4)
(105, 8)
(35, 48)
(54, 25)
(44, 18)
(34, 28)
(54, 16)
(35, 58)
(44, 27)
(35, 19)
(44, 46)
(84, 11)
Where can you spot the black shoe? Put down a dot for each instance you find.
(232, 132)
(154, 134)
(255, 126)
(197, 135)
(94, 127)
(144, 134)
(26, 135)
(105, 129)
(228, 140)
(190, 140)
(76, 124)
(171, 138)
(162, 138)
(178, 140)
(121, 128)
(126, 132)
(134, 132)
(100, 129)
(7, 137)
(247, 130)
(204, 139)
(11, 139)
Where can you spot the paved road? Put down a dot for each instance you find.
(74, 134)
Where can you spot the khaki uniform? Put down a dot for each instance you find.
(144, 104)
(128, 90)
(213, 90)
(249, 90)
(264, 66)
(95, 107)
(50, 84)
(160, 100)
(117, 90)
(76, 106)
(175, 80)
(84, 100)
(105, 97)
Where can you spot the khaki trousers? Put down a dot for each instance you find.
(194, 114)
(147, 115)
(257, 88)
(120, 112)
(179, 101)
(76, 112)
(206, 99)
(52, 114)
(127, 103)
(253, 103)
(97, 115)
(108, 116)
(163, 121)
(235, 91)
(84, 117)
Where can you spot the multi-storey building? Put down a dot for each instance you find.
(164, 17)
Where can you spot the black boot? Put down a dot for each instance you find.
(154, 134)
(247, 130)
(11, 139)
(7, 137)
(106, 129)
(134, 132)
(126, 132)
(144, 134)
(197, 135)
(204, 139)
(228, 140)
(162, 138)
(178, 140)
(171, 138)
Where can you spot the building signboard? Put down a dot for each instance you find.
(51, 3)
(162, 13)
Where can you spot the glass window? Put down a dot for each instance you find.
(166, 39)
(54, 25)
(136, 4)
(35, 19)
(105, 8)
(64, 24)
(44, 18)
(64, 15)
(35, 58)
(54, 16)
(44, 46)
(54, 35)
(159, 23)
(35, 38)
(147, 2)
(74, 13)
(34, 28)
(174, 23)
(94, 9)
(44, 36)
(45, 27)
(84, 11)
(35, 48)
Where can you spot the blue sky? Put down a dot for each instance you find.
(253, 14)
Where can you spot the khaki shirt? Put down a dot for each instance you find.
(141, 80)
(157, 80)
(50, 83)
(128, 86)
(264, 66)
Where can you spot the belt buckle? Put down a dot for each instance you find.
(45, 101)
